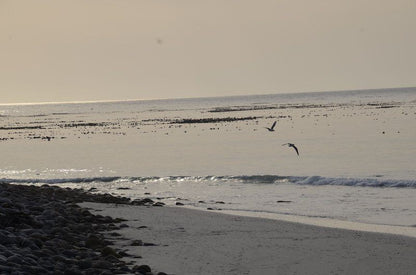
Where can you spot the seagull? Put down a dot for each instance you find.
(271, 129)
(292, 145)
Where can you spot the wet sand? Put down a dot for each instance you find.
(189, 241)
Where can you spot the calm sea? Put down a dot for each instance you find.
(356, 161)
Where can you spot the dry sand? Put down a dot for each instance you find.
(199, 242)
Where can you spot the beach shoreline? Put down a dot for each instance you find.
(406, 231)
(189, 241)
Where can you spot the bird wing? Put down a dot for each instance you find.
(274, 124)
(296, 149)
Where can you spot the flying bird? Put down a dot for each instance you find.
(271, 129)
(293, 146)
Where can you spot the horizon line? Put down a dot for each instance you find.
(180, 98)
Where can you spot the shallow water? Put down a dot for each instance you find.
(357, 152)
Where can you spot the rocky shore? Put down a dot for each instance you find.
(44, 231)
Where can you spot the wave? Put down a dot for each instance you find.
(253, 179)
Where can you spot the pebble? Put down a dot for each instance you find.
(44, 231)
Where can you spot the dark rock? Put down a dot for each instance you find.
(92, 271)
(123, 254)
(112, 259)
(85, 264)
(142, 269)
(179, 203)
(43, 231)
(3, 258)
(70, 253)
(5, 268)
(149, 244)
(102, 264)
(117, 220)
(145, 201)
(94, 242)
(15, 259)
(37, 270)
(137, 243)
(72, 271)
(108, 251)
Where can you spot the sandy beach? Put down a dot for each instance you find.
(188, 241)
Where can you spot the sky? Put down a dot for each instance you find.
(85, 50)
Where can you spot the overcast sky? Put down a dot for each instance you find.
(75, 50)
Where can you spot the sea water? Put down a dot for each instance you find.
(356, 162)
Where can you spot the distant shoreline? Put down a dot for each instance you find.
(190, 98)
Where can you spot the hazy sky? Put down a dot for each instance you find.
(73, 50)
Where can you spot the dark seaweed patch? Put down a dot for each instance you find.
(213, 120)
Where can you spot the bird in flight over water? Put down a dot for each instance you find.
(271, 129)
(293, 146)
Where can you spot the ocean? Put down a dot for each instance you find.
(356, 162)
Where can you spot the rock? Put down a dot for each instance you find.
(44, 231)
(37, 270)
(30, 261)
(149, 244)
(142, 269)
(94, 242)
(5, 239)
(113, 259)
(108, 251)
(145, 201)
(179, 203)
(123, 254)
(85, 264)
(117, 220)
(15, 259)
(72, 271)
(3, 258)
(102, 264)
(71, 253)
(4, 269)
(137, 243)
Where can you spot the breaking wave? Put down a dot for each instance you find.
(254, 179)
